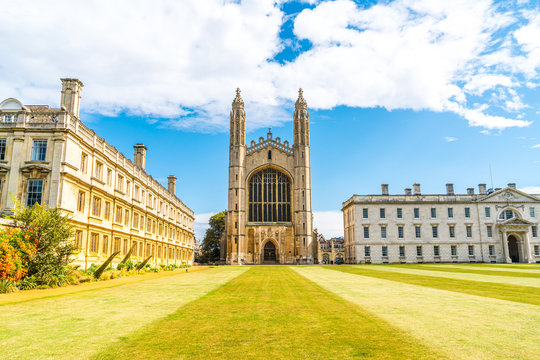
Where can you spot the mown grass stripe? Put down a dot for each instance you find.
(412, 270)
(523, 294)
(40, 294)
(497, 269)
(76, 325)
(467, 326)
(473, 271)
(270, 313)
(528, 267)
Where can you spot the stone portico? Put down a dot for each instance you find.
(515, 240)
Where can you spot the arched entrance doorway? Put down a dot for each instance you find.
(270, 253)
(513, 250)
(326, 259)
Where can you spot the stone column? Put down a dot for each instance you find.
(505, 248)
(527, 246)
(55, 177)
(18, 157)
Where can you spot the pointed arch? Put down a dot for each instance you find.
(269, 196)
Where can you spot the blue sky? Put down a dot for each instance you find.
(399, 91)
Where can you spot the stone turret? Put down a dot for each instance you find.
(71, 96)
(236, 215)
(302, 185)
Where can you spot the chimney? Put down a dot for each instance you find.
(71, 96)
(140, 155)
(512, 185)
(408, 191)
(449, 189)
(470, 191)
(384, 188)
(482, 189)
(172, 184)
(416, 188)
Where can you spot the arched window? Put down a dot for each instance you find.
(508, 214)
(269, 196)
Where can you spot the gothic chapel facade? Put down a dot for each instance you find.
(269, 218)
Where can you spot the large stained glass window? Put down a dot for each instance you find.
(269, 196)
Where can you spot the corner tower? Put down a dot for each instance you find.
(236, 207)
(303, 216)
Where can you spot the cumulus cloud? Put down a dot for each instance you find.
(531, 189)
(328, 223)
(537, 146)
(178, 63)
(201, 224)
(450, 139)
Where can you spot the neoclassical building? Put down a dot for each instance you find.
(498, 225)
(269, 218)
(49, 156)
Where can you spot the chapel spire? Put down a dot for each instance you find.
(301, 102)
(238, 121)
(301, 120)
(238, 102)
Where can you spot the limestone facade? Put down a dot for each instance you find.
(49, 156)
(331, 251)
(269, 217)
(498, 225)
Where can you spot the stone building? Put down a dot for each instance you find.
(498, 225)
(331, 251)
(49, 156)
(269, 217)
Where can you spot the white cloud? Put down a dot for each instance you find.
(179, 62)
(328, 223)
(531, 189)
(419, 55)
(478, 84)
(201, 224)
(166, 59)
(450, 139)
(537, 146)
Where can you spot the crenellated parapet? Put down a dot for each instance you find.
(276, 143)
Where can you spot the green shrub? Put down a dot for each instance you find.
(55, 242)
(28, 283)
(92, 269)
(7, 286)
(129, 265)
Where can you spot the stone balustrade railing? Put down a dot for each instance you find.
(47, 118)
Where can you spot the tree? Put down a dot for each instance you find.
(210, 245)
(55, 242)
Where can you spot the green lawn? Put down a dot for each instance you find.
(280, 312)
